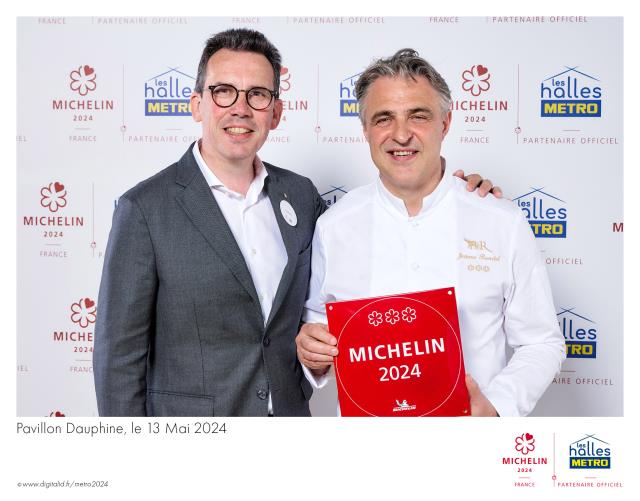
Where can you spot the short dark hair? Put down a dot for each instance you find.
(405, 63)
(240, 39)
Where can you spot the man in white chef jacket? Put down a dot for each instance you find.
(418, 228)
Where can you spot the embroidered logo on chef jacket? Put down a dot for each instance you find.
(478, 255)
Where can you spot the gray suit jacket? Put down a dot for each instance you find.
(179, 328)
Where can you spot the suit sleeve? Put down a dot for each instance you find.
(318, 202)
(314, 306)
(314, 311)
(317, 269)
(531, 329)
(125, 317)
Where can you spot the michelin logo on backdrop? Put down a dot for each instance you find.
(168, 93)
(571, 93)
(348, 102)
(580, 334)
(545, 213)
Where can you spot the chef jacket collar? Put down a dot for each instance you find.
(396, 205)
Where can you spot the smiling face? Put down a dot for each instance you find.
(232, 136)
(404, 125)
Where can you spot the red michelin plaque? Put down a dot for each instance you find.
(399, 355)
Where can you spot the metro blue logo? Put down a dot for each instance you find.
(544, 213)
(333, 195)
(570, 93)
(348, 102)
(168, 93)
(590, 453)
(580, 334)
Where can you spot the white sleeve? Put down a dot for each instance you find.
(318, 382)
(531, 328)
(314, 311)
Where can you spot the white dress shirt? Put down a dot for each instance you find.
(254, 226)
(367, 245)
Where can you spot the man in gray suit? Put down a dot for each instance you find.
(207, 264)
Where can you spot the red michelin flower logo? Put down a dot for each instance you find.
(408, 314)
(392, 316)
(375, 318)
(53, 196)
(525, 443)
(83, 80)
(476, 80)
(83, 312)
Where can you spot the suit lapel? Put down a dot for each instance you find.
(277, 194)
(202, 209)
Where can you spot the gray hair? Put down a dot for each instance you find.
(240, 39)
(405, 63)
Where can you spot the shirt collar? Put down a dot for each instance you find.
(256, 187)
(396, 206)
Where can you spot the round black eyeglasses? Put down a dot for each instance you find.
(225, 95)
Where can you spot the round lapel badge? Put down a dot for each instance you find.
(288, 213)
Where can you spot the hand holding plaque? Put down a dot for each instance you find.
(400, 355)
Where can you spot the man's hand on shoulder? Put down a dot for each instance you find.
(475, 182)
(316, 348)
